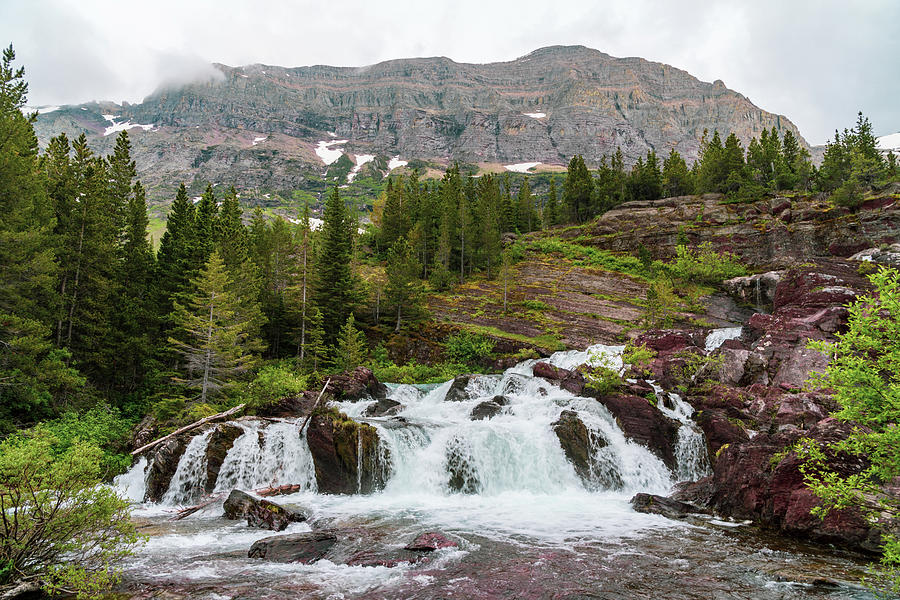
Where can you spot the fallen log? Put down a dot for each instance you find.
(201, 422)
(313, 409)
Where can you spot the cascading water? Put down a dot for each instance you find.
(190, 477)
(691, 457)
(502, 485)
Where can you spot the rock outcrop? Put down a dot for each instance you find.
(163, 464)
(220, 442)
(340, 447)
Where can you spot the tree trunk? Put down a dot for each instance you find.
(208, 358)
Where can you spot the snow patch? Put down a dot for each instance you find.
(116, 126)
(889, 142)
(83, 108)
(257, 140)
(196, 199)
(396, 162)
(521, 167)
(361, 159)
(537, 115)
(327, 153)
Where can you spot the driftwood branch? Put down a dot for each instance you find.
(313, 409)
(203, 421)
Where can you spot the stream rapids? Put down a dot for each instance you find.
(525, 523)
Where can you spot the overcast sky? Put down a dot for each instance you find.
(816, 61)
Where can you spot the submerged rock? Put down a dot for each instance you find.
(575, 441)
(430, 541)
(489, 408)
(462, 475)
(457, 391)
(384, 408)
(296, 547)
(571, 381)
(259, 512)
(643, 423)
(667, 507)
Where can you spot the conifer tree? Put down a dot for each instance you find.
(34, 381)
(121, 175)
(525, 203)
(314, 350)
(136, 315)
(214, 343)
(205, 226)
(350, 349)
(676, 177)
(334, 289)
(175, 266)
(551, 208)
(578, 190)
(403, 289)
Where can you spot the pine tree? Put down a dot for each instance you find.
(578, 190)
(525, 203)
(136, 316)
(676, 178)
(175, 266)
(34, 381)
(212, 340)
(315, 349)
(551, 208)
(205, 226)
(350, 349)
(121, 175)
(403, 289)
(334, 291)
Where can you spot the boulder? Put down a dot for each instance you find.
(296, 547)
(163, 465)
(760, 479)
(220, 442)
(457, 391)
(757, 290)
(489, 408)
(385, 407)
(430, 541)
(335, 441)
(575, 441)
(259, 512)
(355, 385)
(667, 507)
(645, 424)
(463, 477)
(571, 381)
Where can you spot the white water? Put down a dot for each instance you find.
(717, 337)
(133, 485)
(190, 476)
(691, 457)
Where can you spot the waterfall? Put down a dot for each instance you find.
(133, 485)
(691, 456)
(267, 456)
(434, 447)
(717, 337)
(190, 477)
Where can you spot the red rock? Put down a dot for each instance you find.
(430, 541)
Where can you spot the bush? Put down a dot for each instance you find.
(465, 347)
(705, 265)
(414, 372)
(601, 375)
(639, 357)
(103, 427)
(864, 375)
(272, 383)
(59, 523)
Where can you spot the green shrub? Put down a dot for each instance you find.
(60, 524)
(535, 305)
(639, 357)
(592, 257)
(602, 377)
(102, 426)
(704, 265)
(271, 384)
(465, 347)
(414, 372)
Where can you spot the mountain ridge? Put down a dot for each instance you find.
(259, 125)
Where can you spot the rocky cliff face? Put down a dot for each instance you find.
(259, 126)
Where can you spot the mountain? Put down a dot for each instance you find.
(274, 128)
